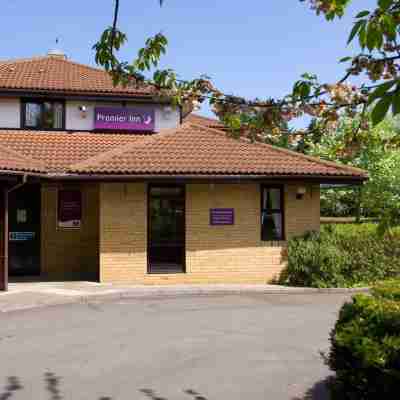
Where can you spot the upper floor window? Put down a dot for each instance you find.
(43, 114)
(272, 213)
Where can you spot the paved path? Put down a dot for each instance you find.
(247, 346)
(28, 295)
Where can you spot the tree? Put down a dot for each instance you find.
(376, 30)
(375, 150)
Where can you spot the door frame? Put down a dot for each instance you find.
(165, 185)
(4, 245)
(14, 191)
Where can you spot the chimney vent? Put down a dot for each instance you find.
(56, 53)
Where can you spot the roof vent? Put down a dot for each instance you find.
(56, 53)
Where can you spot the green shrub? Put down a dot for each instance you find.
(342, 256)
(389, 290)
(365, 347)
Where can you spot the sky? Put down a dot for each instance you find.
(253, 48)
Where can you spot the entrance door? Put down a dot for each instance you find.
(24, 231)
(166, 231)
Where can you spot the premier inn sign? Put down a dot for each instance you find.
(124, 118)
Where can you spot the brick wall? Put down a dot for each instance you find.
(214, 254)
(123, 232)
(70, 253)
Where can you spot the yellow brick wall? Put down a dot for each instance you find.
(70, 253)
(123, 232)
(214, 254)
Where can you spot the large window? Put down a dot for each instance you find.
(42, 114)
(272, 223)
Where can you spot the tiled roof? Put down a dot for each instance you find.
(194, 149)
(57, 74)
(190, 149)
(204, 121)
(12, 161)
(56, 151)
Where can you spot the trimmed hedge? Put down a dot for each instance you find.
(365, 346)
(342, 256)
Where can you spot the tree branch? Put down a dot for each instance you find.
(114, 26)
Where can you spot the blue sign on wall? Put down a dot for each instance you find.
(222, 216)
(21, 236)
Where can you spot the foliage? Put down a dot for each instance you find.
(389, 289)
(365, 347)
(381, 194)
(377, 151)
(342, 256)
(338, 202)
(377, 34)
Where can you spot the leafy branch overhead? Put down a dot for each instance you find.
(377, 34)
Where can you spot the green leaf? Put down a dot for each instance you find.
(380, 110)
(362, 35)
(356, 28)
(362, 14)
(385, 4)
(380, 91)
(344, 59)
(373, 36)
(389, 26)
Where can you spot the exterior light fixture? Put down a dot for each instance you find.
(301, 191)
(83, 110)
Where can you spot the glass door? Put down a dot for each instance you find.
(24, 231)
(166, 231)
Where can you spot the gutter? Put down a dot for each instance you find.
(201, 178)
(194, 177)
(86, 95)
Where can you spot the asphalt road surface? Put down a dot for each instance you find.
(193, 347)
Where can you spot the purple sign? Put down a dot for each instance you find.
(69, 208)
(222, 216)
(124, 118)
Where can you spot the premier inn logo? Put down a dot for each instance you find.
(124, 118)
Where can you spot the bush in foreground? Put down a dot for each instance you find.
(342, 256)
(365, 346)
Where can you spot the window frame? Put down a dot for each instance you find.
(281, 211)
(41, 102)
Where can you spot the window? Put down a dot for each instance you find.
(43, 114)
(272, 213)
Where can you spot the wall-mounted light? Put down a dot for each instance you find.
(301, 191)
(83, 110)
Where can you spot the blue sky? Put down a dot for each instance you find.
(255, 48)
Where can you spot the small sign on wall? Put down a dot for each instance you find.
(222, 216)
(69, 209)
(21, 236)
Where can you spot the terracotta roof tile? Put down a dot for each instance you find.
(57, 150)
(10, 160)
(195, 149)
(61, 75)
(204, 121)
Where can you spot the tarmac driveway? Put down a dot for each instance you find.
(248, 346)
